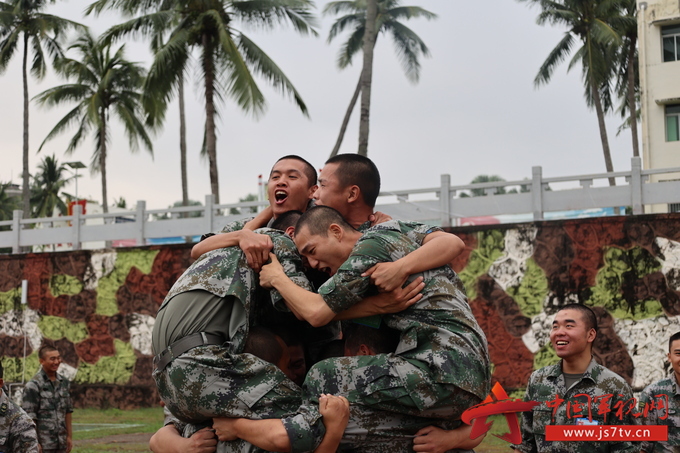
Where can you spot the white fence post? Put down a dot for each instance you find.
(445, 200)
(636, 185)
(76, 224)
(16, 229)
(209, 213)
(140, 220)
(537, 192)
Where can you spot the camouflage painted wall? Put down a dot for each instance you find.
(98, 306)
(626, 268)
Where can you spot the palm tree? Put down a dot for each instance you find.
(408, 45)
(8, 203)
(104, 83)
(47, 186)
(628, 75)
(594, 23)
(228, 58)
(22, 21)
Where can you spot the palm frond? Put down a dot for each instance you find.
(409, 48)
(265, 67)
(556, 56)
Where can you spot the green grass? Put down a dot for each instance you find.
(151, 419)
(146, 420)
(491, 443)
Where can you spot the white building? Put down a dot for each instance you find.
(659, 57)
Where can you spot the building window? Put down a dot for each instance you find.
(670, 37)
(673, 207)
(672, 123)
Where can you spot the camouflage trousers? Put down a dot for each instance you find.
(390, 397)
(209, 381)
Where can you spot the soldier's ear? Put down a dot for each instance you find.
(336, 231)
(2, 382)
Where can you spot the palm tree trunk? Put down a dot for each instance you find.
(367, 74)
(345, 121)
(603, 133)
(183, 143)
(102, 161)
(25, 186)
(632, 108)
(211, 139)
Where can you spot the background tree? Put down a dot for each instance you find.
(628, 73)
(593, 23)
(156, 27)
(48, 183)
(390, 13)
(228, 58)
(8, 203)
(250, 210)
(104, 83)
(23, 21)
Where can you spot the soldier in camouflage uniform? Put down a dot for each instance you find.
(216, 295)
(577, 378)
(441, 366)
(17, 430)
(662, 402)
(48, 402)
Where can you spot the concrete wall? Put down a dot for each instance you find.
(98, 306)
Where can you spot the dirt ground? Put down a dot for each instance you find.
(117, 439)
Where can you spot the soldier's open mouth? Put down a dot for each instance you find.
(280, 196)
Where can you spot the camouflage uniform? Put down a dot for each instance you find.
(441, 365)
(665, 393)
(17, 430)
(548, 382)
(47, 402)
(218, 380)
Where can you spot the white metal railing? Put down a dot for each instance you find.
(442, 205)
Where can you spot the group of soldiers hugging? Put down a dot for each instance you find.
(321, 325)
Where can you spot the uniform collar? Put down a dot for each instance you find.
(46, 377)
(591, 372)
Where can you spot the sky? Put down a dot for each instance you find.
(474, 111)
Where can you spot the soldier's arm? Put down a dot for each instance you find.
(528, 444)
(392, 302)
(439, 248)
(434, 439)
(335, 412)
(304, 304)
(31, 400)
(255, 246)
(168, 440)
(268, 434)
(69, 433)
(646, 397)
(23, 435)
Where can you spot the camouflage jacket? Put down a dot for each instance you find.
(439, 331)
(597, 388)
(660, 404)
(236, 225)
(225, 272)
(414, 230)
(17, 430)
(47, 403)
